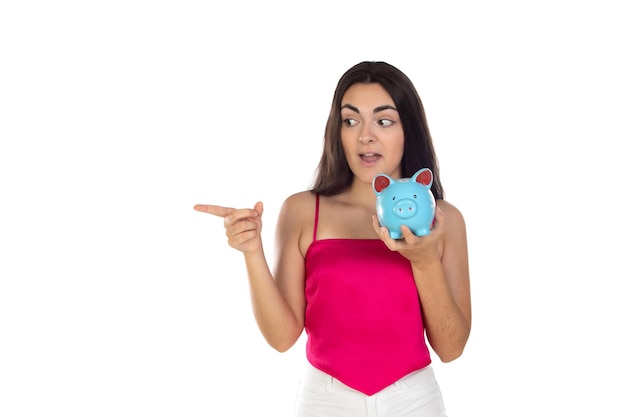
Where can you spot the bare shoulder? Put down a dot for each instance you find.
(296, 219)
(299, 204)
(452, 214)
(455, 234)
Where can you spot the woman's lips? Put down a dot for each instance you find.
(369, 157)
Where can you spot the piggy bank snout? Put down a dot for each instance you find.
(405, 208)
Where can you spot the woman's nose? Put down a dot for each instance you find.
(366, 135)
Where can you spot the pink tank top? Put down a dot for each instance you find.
(363, 320)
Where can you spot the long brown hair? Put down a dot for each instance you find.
(333, 174)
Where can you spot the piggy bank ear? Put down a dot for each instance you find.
(424, 176)
(380, 182)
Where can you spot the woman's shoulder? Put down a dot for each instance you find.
(300, 200)
(296, 220)
(298, 207)
(449, 209)
(452, 214)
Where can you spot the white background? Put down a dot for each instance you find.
(117, 299)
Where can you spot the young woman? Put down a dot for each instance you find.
(368, 303)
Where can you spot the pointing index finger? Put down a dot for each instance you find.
(214, 210)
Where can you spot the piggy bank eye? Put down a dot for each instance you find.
(393, 198)
(414, 195)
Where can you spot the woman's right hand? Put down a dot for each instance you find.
(243, 226)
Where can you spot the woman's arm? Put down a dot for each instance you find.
(441, 271)
(272, 299)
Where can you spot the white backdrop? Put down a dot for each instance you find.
(117, 299)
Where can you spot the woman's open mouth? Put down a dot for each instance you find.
(369, 157)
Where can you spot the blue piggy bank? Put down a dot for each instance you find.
(407, 201)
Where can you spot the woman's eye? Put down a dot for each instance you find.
(385, 122)
(349, 122)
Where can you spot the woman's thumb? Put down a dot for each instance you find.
(258, 207)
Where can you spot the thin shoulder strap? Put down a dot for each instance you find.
(317, 210)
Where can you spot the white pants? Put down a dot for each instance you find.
(415, 395)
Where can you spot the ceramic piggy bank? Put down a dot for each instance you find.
(407, 201)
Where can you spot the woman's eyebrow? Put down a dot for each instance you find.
(384, 107)
(350, 107)
(376, 110)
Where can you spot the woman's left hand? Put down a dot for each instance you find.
(422, 251)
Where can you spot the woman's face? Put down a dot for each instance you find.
(371, 132)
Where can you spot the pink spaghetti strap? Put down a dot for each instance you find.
(317, 208)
